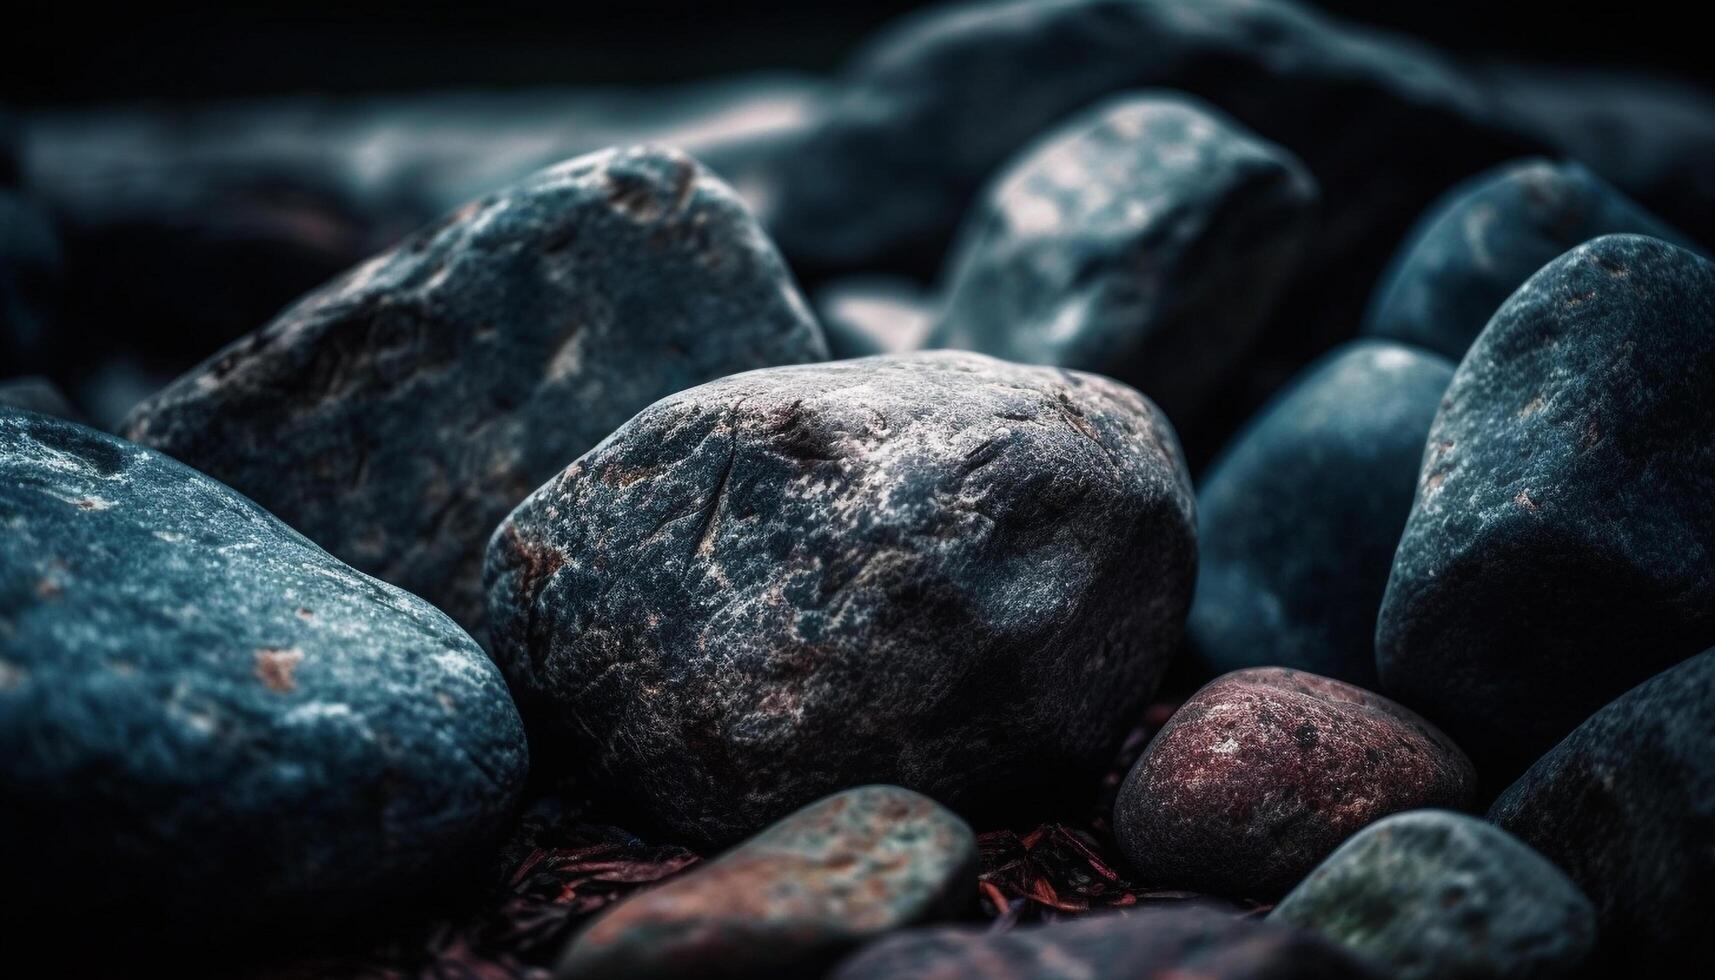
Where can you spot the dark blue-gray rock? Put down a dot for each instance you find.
(397, 414)
(209, 727)
(1438, 895)
(1297, 521)
(1484, 238)
(1146, 240)
(793, 899)
(31, 272)
(37, 394)
(936, 570)
(867, 315)
(1163, 943)
(1562, 544)
(1626, 806)
(932, 107)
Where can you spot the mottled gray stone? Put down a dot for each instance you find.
(210, 728)
(937, 570)
(1562, 544)
(867, 315)
(1298, 520)
(1146, 240)
(1437, 895)
(397, 414)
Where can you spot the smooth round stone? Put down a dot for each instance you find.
(1151, 942)
(1263, 772)
(1626, 805)
(867, 315)
(1298, 519)
(937, 570)
(792, 899)
(1146, 239)
(396, 415)
(1562, 544)
(210, 729)
(1433, 894)
(1484, 238)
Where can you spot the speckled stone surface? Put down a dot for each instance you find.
(397, 414)
(1146, 239)
(1298, 519)
(1626, 805)
(1155, 943)
(1263, 772)
(1484, 238)
(867, 315)
(937, 570)
(794, 898)
(208, 726)
(1433, 894)
(1562, 545)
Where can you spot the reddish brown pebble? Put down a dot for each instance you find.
(1265, 771)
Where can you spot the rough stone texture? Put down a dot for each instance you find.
(867, 315)
(937, 570)
(1626, 806)
(1562, 545)
(207, 724)
(1298, 520)
(1265, 771)
(30, 275)
(397, 414)
(1146, 240)
(794, 898)
(37, 394)
(1484, 238)
(1432, 894)
(1153, 943)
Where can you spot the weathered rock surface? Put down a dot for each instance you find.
(791, 900)
(37, 394)
(1484, 238)
(1146, 239)
(397, 414)
(1433, 894)
(937, 570)
(1626, 806)
(1297, 521)
(867, 315)
(208, 725)
(1182, 942)
(1263, 772)
(1562, 545)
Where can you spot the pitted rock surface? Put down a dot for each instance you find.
(937, 570)
(396, 415)
(209, 726)
(794, 898)
(1265, 771)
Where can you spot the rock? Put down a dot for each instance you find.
(1433, 894)
(1147, 240)
(1562, 545)
(934, 105)
(1484, 238)
(1265, 771)
(37, 394)
(1298, 520)
(937, 570)
(1152, 942)
(209, 728)
(794, 898)
(398, 413)
(1626, 806)
(866, 315)
(30, 276)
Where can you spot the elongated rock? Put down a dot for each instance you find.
(397, 414)
(792, 899)
(1298, 519)
(1484, 238)
(939, 570)
(1263, 772)
(1562, 545)
(211, 728)
(1433, 894)
(1626, 805)
(1146, 239)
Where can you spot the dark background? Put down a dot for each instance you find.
(75, 54)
